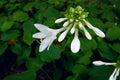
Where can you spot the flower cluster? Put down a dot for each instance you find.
(115, 72)
(74, 21)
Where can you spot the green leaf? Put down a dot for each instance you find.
(96, 22)
(34, 63)
(16, 48)
(6, 25)
(39, 16)
(24, 55)
(71, 78)
(26, 75)
(88, 44)
(108, 15)
(29, 6)
(50, 55)
(41, 6)
(99, 73)
(51, 12)
(85, 58)
(3, 47)
(20, 16)
(11, 34)
(50, 21)
(106, 52)
(116, 47)
(29, 30)
(26, 51)
(78, 69)
(113, 33)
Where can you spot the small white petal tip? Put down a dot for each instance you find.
(66, 24)
(98, 63)
(98, 32)
(60, 20)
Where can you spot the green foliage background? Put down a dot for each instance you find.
(19, 56)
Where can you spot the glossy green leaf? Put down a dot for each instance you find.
(50, 21)
(26, 51)
(29, 6)
(108, 15)
(113, 33)
(16, 48)
(71, 78)
(116, 47)
(6, 25)
(85, 58)
(20, 16)
(26, 75)
(50, 55)
(79, 69)
(51, 12)
(29, 30)
(106, 52)
(87, 44)
(99, 73)
(34, 63)
(11, 34)
(25, 54)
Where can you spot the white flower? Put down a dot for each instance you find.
(75, 45)
(115, 73)
(96, 30)
(74, 20)
(99, 63)
(63, 35)
(87, 34)
(60, 20)
(47, 34)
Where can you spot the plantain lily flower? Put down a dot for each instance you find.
(47, 34)
(74, 20)
(75, 44)
(115, 73)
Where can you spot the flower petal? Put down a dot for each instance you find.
(45, 43)
(63, 35)
(66, 24)
(73, 29)
(75, 45)
(87, 34)
(60, 20)
(114, 74)
(38, 35)
(98, 32)
(41, 27)
(52, 39)
(99, 63)
(55, 32)
(88, 24)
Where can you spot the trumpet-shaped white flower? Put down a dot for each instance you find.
(74, 19)
(47, 34)
(115, 73)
